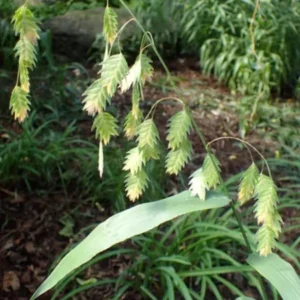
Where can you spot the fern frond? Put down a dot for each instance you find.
(132, 122)
(176, 159)
(267, 214)
(133, 75)
(106, 127)
(148, 135)
(147, 69)
(110, 25)
(136, 184)
(100, 91)
(19, 103)
(179, 127)
(248, 184)
(25, 24)
(198, 184)
(134, 160)
(211, 171)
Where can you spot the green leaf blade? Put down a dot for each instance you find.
(279, 272)
(125, 225)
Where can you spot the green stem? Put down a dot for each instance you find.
(238, 218)
(195, 126)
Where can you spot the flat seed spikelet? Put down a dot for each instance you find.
(147, 69)
(25, 24)
(110, 25)
(248, 184)
(100, 91)
(132, 77)
(132, 122)
(266, 195)
(267, 214)
(100, 160)
(177, 159)
(211, 170)
(136, 184)
(26, 51)
(198, 185)
(19, 104)
(135, 101)
(179, 127)
(106, 127)
(148, 136)
(134, 161)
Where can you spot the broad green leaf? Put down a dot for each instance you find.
(245, 298)
(279, 272)
(125, 225)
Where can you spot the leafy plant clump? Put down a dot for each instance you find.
(252, 46)
(116, 75)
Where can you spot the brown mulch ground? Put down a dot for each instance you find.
(29, 239)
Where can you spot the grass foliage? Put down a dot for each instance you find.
(220, 30)
(193, 257)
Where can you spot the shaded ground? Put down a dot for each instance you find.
(30, 239)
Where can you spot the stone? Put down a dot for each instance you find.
(74, 32)
(30, 2)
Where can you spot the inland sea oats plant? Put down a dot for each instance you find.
(115, 74)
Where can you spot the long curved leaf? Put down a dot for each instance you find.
(279, 272)
(125, 225)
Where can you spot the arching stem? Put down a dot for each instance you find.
(178, 92)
